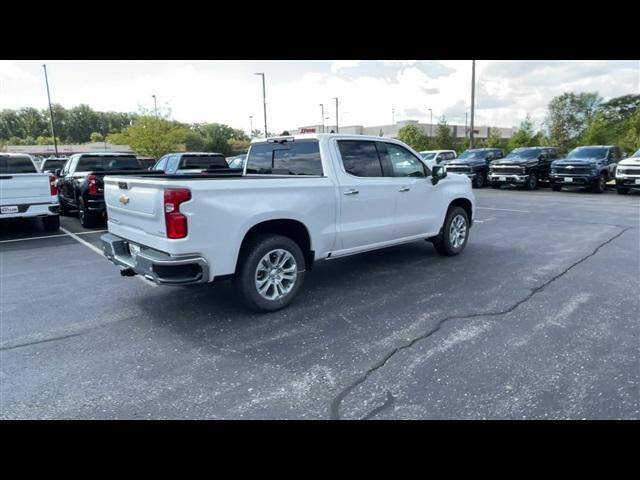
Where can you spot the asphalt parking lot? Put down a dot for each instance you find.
(537, 319)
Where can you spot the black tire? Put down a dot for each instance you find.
(495, 185)
(601, 185)
(555, 187)
(251, 256)
(64, 208)
(444, 242)
(622, 190)
(51, 223)
(480, 180)
(532, 182)
(87, 219)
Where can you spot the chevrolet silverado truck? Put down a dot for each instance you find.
(80, 182)
(590, 166)
(474, 163)
(524, 167)
(300, 199)
(190, 162)
(27, 193)
(628, 174)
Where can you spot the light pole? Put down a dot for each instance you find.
(155, 105)
(264, 102)
(53, 132)
(431, 123)
(393, 116)
(337, 129)
(465, 124)
(251, 126)
(322, 110)
(473, 99)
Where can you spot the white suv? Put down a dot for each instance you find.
(434, 157)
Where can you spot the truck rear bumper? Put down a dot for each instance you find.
(155, 265)
(27, 210)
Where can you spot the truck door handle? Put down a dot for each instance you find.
(404, 189)
(351, 191)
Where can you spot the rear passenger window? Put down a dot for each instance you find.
(300, 157)
(360, 158)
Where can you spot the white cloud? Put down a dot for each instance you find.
(11, 71)
(338, 65)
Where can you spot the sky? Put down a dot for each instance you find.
(229, 91)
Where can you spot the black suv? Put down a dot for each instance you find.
(590, 166)
(523, 166)
(474, 163)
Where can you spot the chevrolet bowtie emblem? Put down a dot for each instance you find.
(569, 167)
(124, 199)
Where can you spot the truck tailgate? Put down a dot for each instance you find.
(137, 208)
(21, 188)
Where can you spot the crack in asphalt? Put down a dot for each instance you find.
(45, 340)
(334, 408)
(387, 404)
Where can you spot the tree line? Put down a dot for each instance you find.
(572, 119)
(146, 133)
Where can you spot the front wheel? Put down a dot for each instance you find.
(532, 182)
(454, 234)
(480, 180)
(601, 185)
(270, 273)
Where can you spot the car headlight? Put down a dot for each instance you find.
(554, 171)
(594, 171)
(619, 172)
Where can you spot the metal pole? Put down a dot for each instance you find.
(53, 132)
(393, 116)
(155, 105)
(431, 123)
(465, 124)
(250, 126)
(264, 102)
(322, 108)
(473, 99)
(337, 129)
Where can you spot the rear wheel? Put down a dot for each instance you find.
(622, 190)
(532, 182)
(51, 223)
(601, 185)
(270, 273)
(64, 208)
(454, 234)
(87, 219)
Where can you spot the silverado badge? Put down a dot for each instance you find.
(569, 167)
(124, 199)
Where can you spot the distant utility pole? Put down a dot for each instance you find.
(53, 131)
(465, 124)
(337, 129)
(322, 109)
(264, 104)
(473, 99)
(250, 126)
(431, 123)
(155, 105)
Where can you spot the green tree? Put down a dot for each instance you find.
(151, 136)
(443, 139)
(524, 136)
(569, 117)
(413, 136)
(96, 137)
(462, 145)
(494, 139)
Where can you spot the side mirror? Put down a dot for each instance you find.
(57, 171)
(438, 173)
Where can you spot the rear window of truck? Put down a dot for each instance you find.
(203, 162)
(300, 157)
(106, 163)
(17, 165)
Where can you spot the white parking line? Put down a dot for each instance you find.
(503, 209)
(51, 236)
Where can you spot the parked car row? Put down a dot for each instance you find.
(587, 166)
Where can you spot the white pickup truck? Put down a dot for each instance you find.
(26, 193)
(300, 199)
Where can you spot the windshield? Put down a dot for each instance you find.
(105, 163)
(428, 156)
(471, 154)
(636, 155)
(589, 152)
(525, 153)
(17, 165)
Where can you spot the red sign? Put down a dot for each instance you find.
(307, 130)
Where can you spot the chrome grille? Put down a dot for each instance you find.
(573, 170)
(506, 170)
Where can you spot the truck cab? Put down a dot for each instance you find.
(474, 163)
(589, 166)
(523, 167)
(183, 163)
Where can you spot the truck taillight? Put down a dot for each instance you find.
(93, 184)
(53, 185)
(176, 222)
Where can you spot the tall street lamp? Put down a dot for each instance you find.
(337, 129)
(251, 126)
(53, 132)
(264, 104)
(431, 123)
(322, 110)
(155, 105)
(473, 99)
